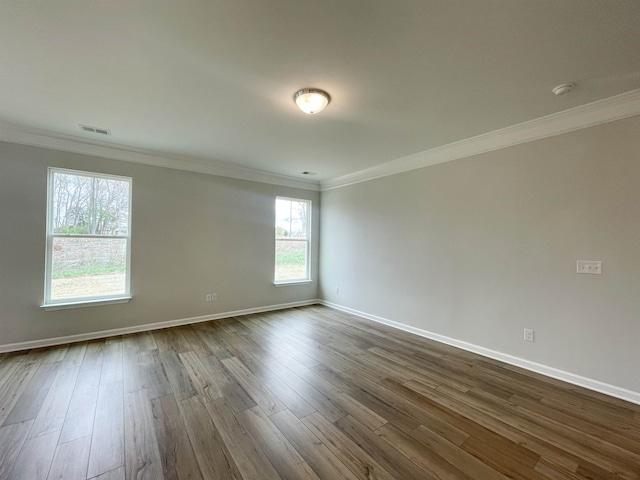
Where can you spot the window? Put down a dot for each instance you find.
(293, 225)
(88, 237)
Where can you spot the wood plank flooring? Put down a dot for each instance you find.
(304, 393)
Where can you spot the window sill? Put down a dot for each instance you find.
(292, 283)
(82, 304)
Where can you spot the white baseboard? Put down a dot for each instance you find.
(596, 385)
(49, 342)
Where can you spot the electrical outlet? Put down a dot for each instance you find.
(528, 335)
(337, 289)
(592, 267)
(214, 297)
(208, 297)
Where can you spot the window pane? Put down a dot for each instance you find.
(291, 219)
(89, 205)
(291, 260)
(88, 267)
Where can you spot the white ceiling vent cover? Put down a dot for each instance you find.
(98, 130)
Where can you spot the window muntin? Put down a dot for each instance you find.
(292, 232)
(88, 237)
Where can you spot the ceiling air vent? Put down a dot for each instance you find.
(100, 131)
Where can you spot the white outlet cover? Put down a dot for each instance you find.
(590, 267)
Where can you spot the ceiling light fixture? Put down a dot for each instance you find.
(311, 100)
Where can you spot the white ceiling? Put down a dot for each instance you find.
(214, 80)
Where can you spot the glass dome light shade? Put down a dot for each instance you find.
(311, 100)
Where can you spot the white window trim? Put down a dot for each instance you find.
(58, 304)
(295, 281)
(82, 304)
(292, 283)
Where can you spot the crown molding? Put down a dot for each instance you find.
(67, 143)
(588, 115)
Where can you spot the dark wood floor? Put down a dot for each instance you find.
(297, 394)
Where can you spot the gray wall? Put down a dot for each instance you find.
(192, 234)
(480, 248)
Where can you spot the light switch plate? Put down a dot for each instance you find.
(591, 267)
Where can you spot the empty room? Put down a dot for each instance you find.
(302, 239)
